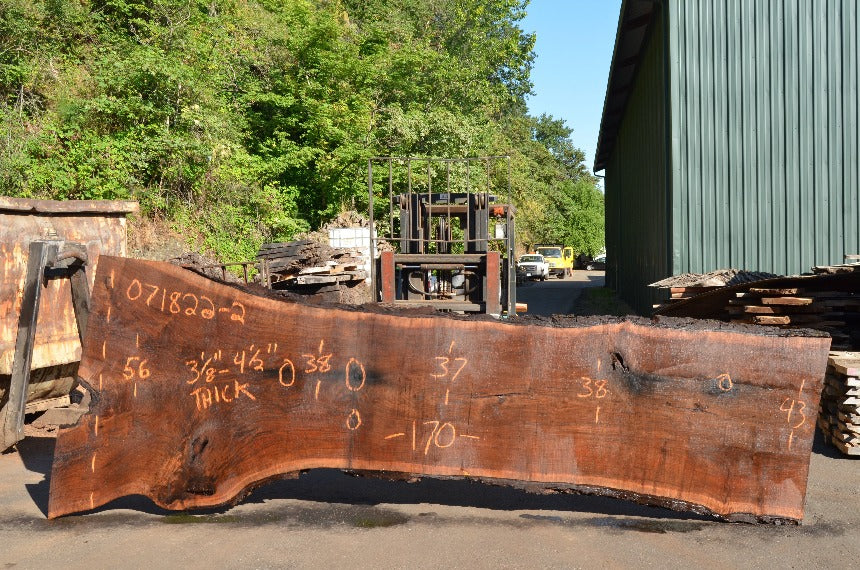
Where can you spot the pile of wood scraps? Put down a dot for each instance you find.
(828, 311)
(839, 413)
(309, 267)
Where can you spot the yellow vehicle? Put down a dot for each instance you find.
(560, 258)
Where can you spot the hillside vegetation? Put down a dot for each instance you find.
(239, 121)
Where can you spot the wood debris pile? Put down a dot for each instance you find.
(310, 267)
(839, 413)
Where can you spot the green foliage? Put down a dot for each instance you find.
(574, 217)
(251, 121)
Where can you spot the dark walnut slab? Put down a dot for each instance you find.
(201, 391)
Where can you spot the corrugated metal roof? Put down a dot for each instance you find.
(634, 21)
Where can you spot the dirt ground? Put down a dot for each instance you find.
(327, 518)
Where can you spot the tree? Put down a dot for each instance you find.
(555, 136)
(249, 121)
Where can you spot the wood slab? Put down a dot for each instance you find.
(201, 391)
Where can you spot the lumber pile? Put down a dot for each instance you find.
(680, 293)
(203, 390)
(828, 301)
(839, 413)
(687, 285)
(311, 268)
(794, 307)
(839, 268)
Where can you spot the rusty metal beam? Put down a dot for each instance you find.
(42, 253)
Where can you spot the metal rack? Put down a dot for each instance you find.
(448, 239)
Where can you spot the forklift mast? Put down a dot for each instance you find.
(451, 248)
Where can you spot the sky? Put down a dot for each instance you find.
(574, 46)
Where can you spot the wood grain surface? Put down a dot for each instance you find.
(202, 391)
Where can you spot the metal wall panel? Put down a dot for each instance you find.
(741, 150)
(637, 241)
(764, 132)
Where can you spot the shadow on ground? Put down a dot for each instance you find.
(334, 486)
(822, 447)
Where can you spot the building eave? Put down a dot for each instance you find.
(634, 22)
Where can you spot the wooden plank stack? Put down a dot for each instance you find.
(680, 293)
(687, 285)
(792, 307)
(839, 268)
(839, 413)
(828, 301)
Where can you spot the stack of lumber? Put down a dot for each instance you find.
(828, 301)
(839, 414)
(308, 266)
(680, 293)
(833, 269)
(687, 285)
(828, 311)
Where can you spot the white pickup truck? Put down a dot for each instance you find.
(533, 266)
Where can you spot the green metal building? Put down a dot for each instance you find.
(729, 139)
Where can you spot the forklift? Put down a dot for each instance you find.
(445, 244)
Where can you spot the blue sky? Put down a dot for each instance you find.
(574, 46)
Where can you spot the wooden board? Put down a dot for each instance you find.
(847, 363)
(786, 300)
(758, 310)
(772, 291)
(771, 320)
(73, 207)
(202, 391)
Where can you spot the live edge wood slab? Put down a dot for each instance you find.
(202, 391)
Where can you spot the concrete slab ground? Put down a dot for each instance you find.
(330, 519)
